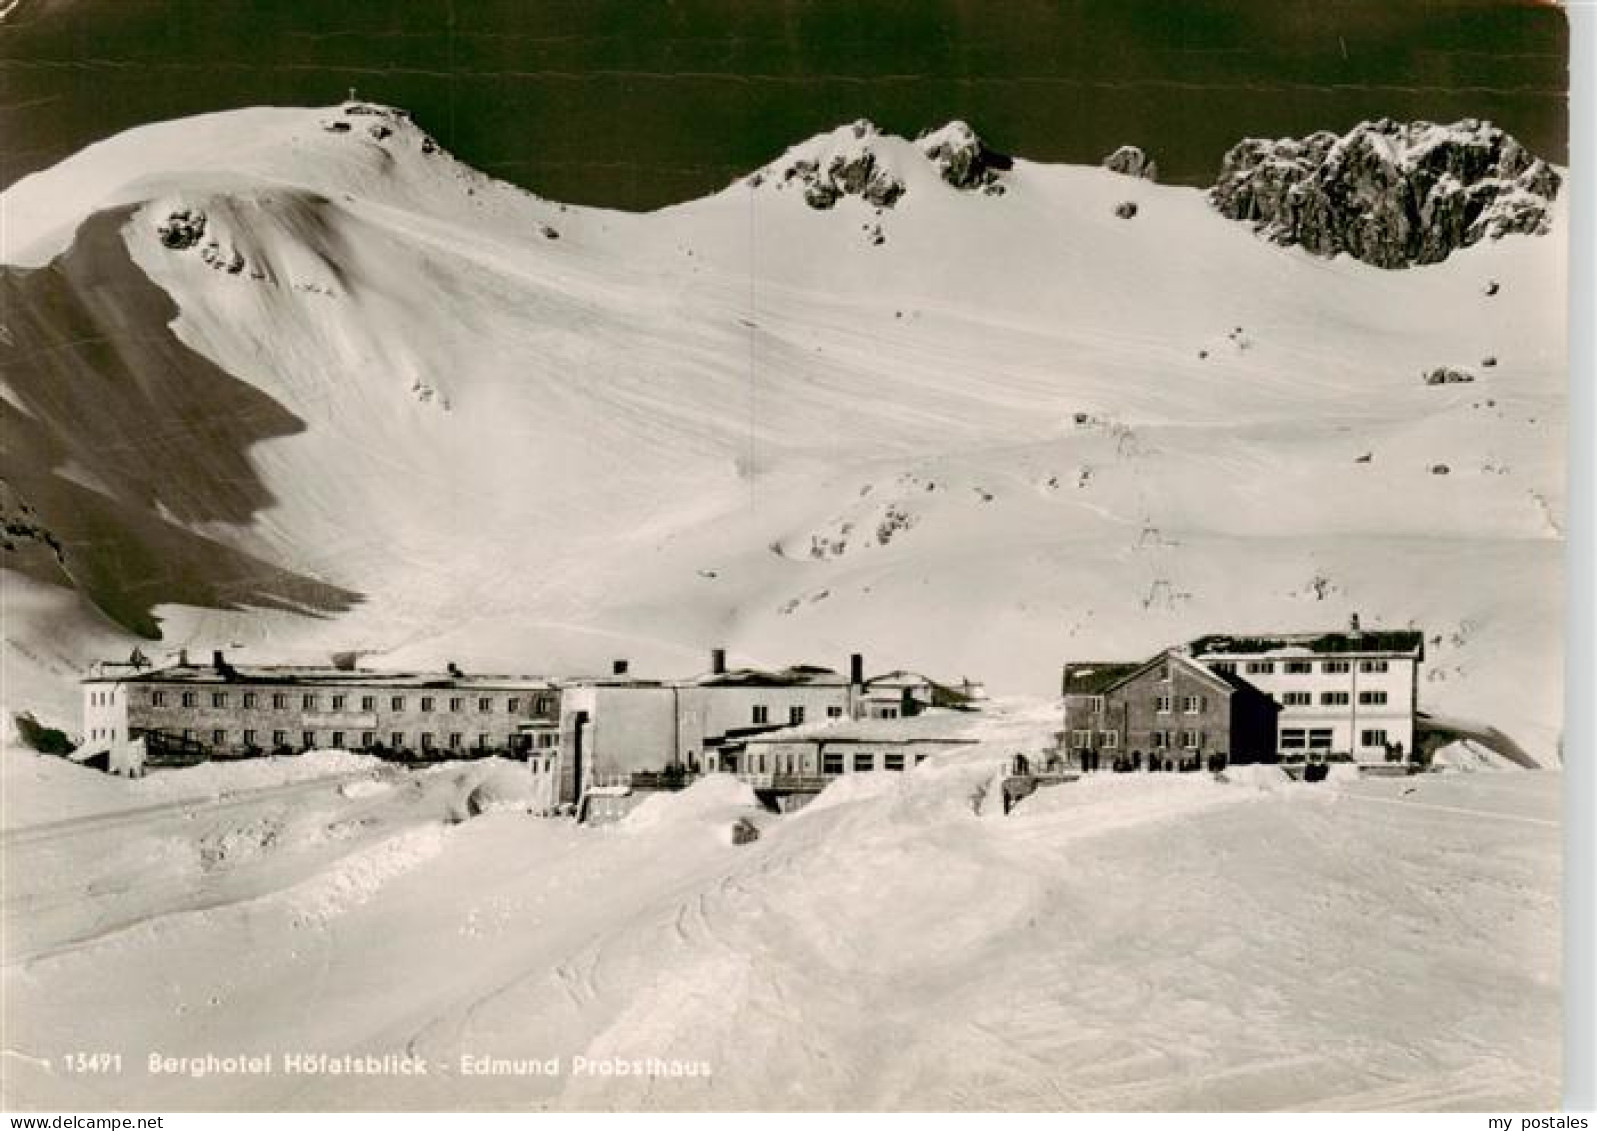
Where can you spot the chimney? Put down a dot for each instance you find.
(856, 669)
(182, 657)
(618, 667)
(1353, 624)
(218, 661)
(718, 661)
(454, 670)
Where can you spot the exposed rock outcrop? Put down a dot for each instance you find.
(1131, 161)
(852, 170)
(963, 159)
(1389, 193)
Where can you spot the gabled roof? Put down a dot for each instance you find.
(1101, 678)
(1093, 677)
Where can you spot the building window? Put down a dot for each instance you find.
(368, 702)
(1372, 738)
(1081, 740)
(396, 703)
(864, 763)
(513, 705)
(541, 705)
(249, 700)
(279, 701)
(157, 698)
(397, 740)
(892, 761)
(1334, 667)
(1095, 704)
(426, 702)
(457, 704)
(1320, 738)
(762, 714)
(485, 704)
(188, 735)
(795, 716)
(1162, 704)
(279, 738)
(1109, 739)
(338, 740)
(366, 739)
(1298, 667)
(1164, 672)
(1261, 667)
(831, 763)
(249, 738)
(1372, 698)
(1372, 665)
(1296, 739)
(426, 740)
(1161, 739)
(219, 737)
(338, 702)
(1333, 699)
(308, 702)
(1227, 667)
(308, 739)
(834, 712)
(1192, 705)
(1191, 739)
(455, 739)
(188, 699)
(1297, 698)
(218, 699)
(482, 742)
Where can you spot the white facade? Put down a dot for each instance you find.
(633, 725)
(1357, 704)
(105, 712)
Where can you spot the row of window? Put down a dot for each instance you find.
(101, 698)
(1373, 698)
(830, 763)
(251, 700)
(1300, 667)
(1161, 739)
(1190, 704)
(761, 714)
(455, 740)
(1320, 738)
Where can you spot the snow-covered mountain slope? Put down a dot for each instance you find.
(977, 430)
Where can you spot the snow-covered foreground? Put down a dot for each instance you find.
(1125, 942)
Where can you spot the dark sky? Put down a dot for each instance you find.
(638, 103)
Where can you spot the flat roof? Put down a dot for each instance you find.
(1376, 642)
(929, 726)
(310, 676)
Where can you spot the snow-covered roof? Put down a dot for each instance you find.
(929, 726)
(1376, 642)
(311, 675)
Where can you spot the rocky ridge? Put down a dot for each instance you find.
(1392, 194)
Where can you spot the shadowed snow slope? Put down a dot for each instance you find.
(967, 431)
(1125, 942)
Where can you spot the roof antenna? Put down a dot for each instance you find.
(351, 94)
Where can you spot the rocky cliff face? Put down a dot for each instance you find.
(1389, 193)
